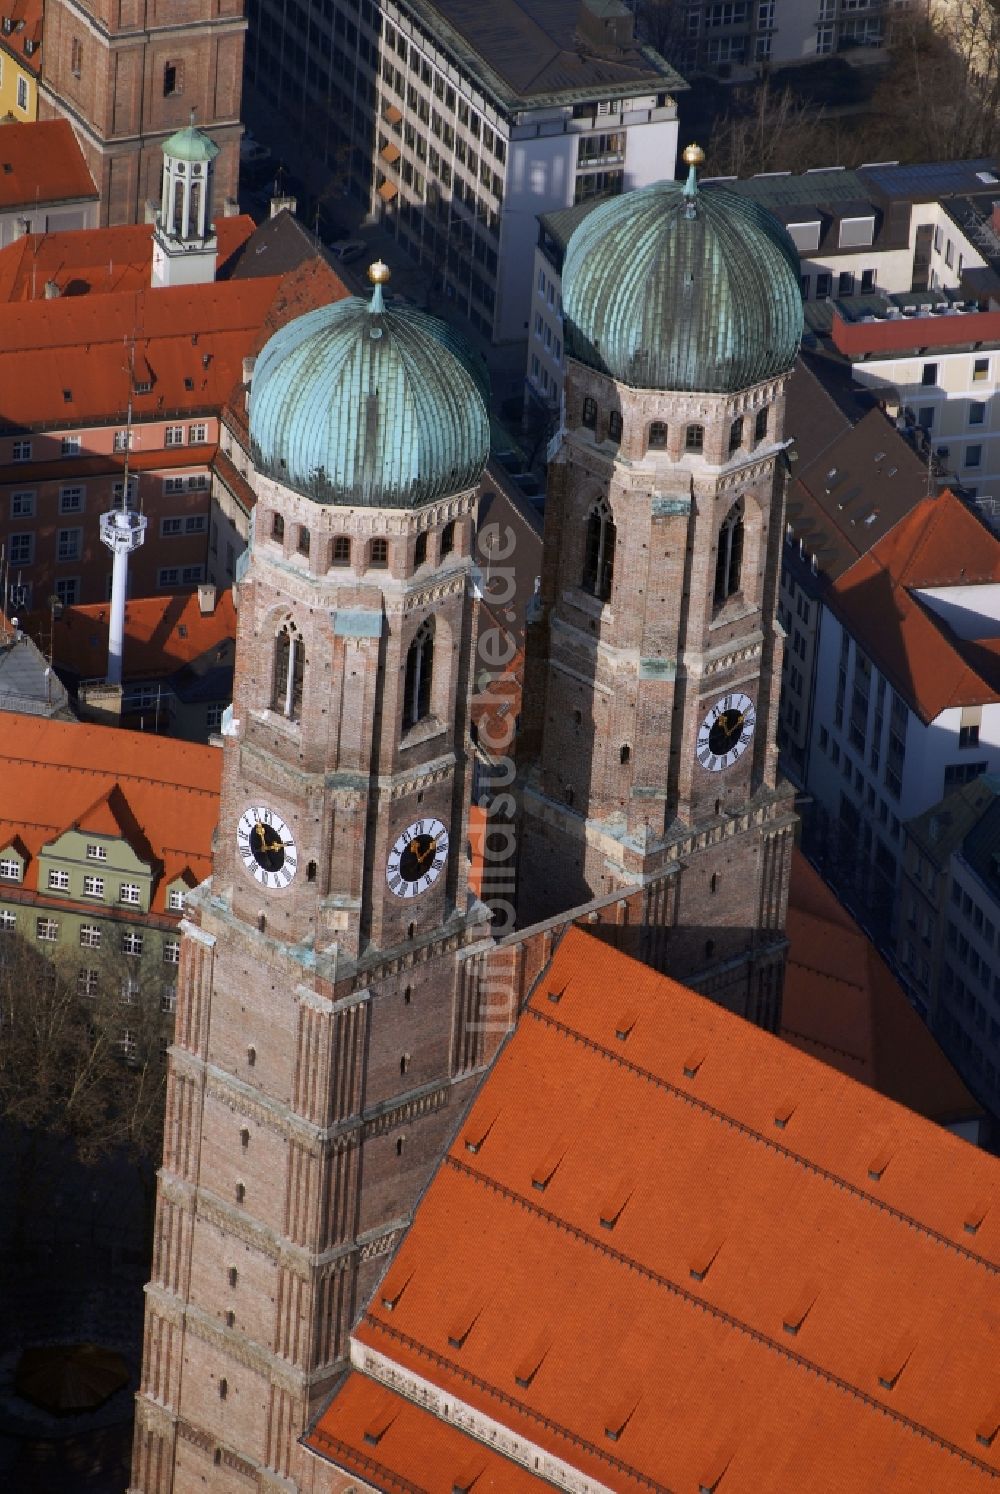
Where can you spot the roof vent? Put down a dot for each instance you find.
(796, 1315)
(544, 1173)
(701, 1260)
(393, 1290)
(625, 1023)
(893, 1364)
(476, 1132)
(52, 291)
(878, 1164)
(974, 1218)
(783, 1113)
(556, 996)
(615, 1424)
(613, 1205)
(465, 1480)
(712, 1478)
(380, 1424)
(462, 1326)
(693, 1062)
(527, 1368)
(989, 1426)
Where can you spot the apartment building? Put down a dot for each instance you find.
(104, 833)
(948, 939)
(879, 228)
(20, 58)
(458, 123)
(906, 696)
(732, 38)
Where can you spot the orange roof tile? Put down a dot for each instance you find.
(677, 1381)
(373, 1434)
(94, 261)
(161, 635)
(939, 543)
(162, 795)
(842, 1004)
(41, 162)
(26, 19)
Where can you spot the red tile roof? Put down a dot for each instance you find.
(41, 162)
(729, 1260)
(26, 18)
(395, 1445)
(94, 261)
(161, 793)
(161, 635)
(842, 1004)
(939, 543)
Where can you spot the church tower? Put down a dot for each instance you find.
(654, 659)
(127, 73)
(185, 248)
(323, 1047)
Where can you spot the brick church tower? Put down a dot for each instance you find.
(323, 1045)
(128, 73)
(654, 659)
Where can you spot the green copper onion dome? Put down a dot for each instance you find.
(191, 144)
(683, 287)
(362, 403)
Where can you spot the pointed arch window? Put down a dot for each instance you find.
(694, 438)
(277, 527)
(419, 675)
(736, 435)
(289, 671)
(420, 549)
(760, 424)
(658, 435)
(729, 558)
(448, 538)
(599, 555)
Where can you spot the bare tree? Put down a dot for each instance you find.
(663, 24)
(941, 98)
(768, 130)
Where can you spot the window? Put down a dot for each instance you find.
(8, 921)
(22, 505)
(448, 538)
(694, 438)
(760, 424)
(197, 435)
(171, 951)
(824, 282)
(658, 435)
(925, 417)
(171, 527)
(69, 544)
(68, 590)
(805, 281)
(173, 435)
(59, 881)
(93, 887)
(736, 435)
(973, 456)
(589, 415)
(22, 94)
(213, 716)
(419, 675)
(289, 671)
(86, 982)
(10, 869)
(867, 281)
(46, 929)
(76, 58)
(420, 549)
(599, 553)
(928, 374)
(97, 852)
(123, 440)
(131, 942)
(977, 412)
(277, 527)
(980, 370)
(614, 426)
(845, 283)
(90, 936)
(21, 451)
(341, 550)
(955, 774)
(69, 446)
(378, 554)
(192, 574)
(304, 540)
(128, 892)
(729, 557)
(173, 79)
(22, 549)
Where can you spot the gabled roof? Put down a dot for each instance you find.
(24, 40)
(842, 1004)
(941, 829)
(159, 794)
(939, 543)
(40, 163)
(162, 635)
(666, 1246)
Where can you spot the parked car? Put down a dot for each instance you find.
(348, 250)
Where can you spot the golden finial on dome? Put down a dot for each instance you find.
(379, 273)
(694, 156)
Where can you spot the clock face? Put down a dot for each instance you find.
(266, 846)
(417, 858)
(726, 732)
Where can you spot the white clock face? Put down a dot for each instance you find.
(726, 732)
(417, 858)
(267, 847)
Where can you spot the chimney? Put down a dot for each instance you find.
(150, 210)
(248, 365)
(206, 598)
(283, 204)
(230, 208)
(52, 291)
(606, 24)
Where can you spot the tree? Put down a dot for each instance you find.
(767, 130)
(940, 100)
(662, 23)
